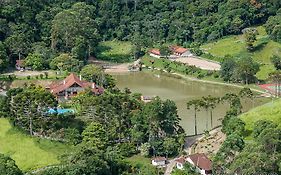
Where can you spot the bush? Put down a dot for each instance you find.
(72, 136)
(28, 77)
(41, 76)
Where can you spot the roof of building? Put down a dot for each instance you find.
(159, 159)
(178, 49)
(19, 62)
(71, 80)
(155, 51)
(181, 160)
(202, 161)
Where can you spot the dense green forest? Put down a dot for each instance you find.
(47, 28)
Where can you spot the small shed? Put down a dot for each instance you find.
(159, 161)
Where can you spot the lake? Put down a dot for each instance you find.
(181, 91)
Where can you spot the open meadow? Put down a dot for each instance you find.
(28, 152)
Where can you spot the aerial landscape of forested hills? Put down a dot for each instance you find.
(140, 87)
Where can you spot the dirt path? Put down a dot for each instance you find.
(199, 62)
(170, 166)
(120, 68)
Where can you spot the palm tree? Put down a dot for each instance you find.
(196, 104)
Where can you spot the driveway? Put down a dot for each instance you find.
(198, 62)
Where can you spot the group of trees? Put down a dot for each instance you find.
(131, 124)
(75, 27)
(209, 103)
(241, 70)
(28, 107)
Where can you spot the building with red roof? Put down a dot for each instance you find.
(71, 86)
(180, 51)
(19, 64)
(202, 163)
(155, 53)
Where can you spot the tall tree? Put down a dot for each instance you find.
(196, 105)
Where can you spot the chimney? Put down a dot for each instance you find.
(80, 76)
(63, 81)
(93, 85)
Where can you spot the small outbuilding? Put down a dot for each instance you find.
(159, 161)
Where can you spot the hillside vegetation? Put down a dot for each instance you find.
(270, 111)
(236, 46)
(116, 51)
(28, 152)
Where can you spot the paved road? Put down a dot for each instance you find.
(200, 63)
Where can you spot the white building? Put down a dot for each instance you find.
(159, 161)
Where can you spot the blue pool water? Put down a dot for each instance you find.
(60, 111)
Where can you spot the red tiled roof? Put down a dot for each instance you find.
(19, 62)
(159, 159)
(155, 51)
(71, 80)
(181, 160)
(178, 49)
(201, 160)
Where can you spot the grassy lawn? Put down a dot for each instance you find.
(115, 51)
(140, 161)
(29, 153)
(235, 46)
(270, 111)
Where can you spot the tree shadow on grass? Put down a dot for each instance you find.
(260, 45)
(248, 133)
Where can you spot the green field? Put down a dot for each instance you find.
(270, 111)
(29, 153)
(235, 46)
(115, 51)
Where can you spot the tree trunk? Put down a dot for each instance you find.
(195, 122)
(30, 126)
(211, 119)
(207, 120)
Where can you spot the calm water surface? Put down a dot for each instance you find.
(181, 91)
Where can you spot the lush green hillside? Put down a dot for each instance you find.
(117, 51)
(29, 153)
(270, 111)
(235, 46)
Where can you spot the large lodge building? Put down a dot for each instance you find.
(71, 86)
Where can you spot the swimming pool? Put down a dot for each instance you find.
(60, 111)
